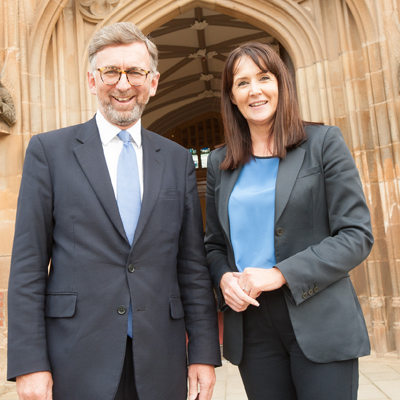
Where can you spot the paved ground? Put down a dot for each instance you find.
(379, 380)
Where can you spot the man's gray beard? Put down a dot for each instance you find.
(123, 118)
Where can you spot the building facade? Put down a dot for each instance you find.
(344, 56)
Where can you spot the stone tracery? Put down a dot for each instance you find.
(97, 9)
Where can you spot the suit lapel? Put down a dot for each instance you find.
(228, 181)
(288, 170)
(153, 169)
(90, 156)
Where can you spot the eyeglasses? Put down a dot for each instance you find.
(111, 76)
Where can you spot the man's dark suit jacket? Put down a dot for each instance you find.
(322, 231)
(70, 321)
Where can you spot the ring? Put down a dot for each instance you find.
(244, 289)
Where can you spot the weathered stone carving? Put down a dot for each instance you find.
(97, 9)
(7, 108)
(377, 302)
(396, 303)
(209, 93)
(199, 25)
(206, 78)
(202, 53)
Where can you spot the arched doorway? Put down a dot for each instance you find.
(193, 48)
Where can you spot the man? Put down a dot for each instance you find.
(114, 209)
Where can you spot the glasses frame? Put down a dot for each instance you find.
(122, 71)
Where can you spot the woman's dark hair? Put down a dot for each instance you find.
(287, 129)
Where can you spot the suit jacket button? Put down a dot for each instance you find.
(316, 289)
(279, 232)
(305, 295)
(311, 292)
(121, 310)
(131, 268)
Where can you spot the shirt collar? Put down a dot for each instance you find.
(108, 131)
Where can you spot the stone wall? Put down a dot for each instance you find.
(346, 54)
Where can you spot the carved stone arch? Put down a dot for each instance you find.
(363, 15)
(42, 28)
(45, 19)
(287, 21)
(298, 33)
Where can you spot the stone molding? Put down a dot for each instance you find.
(377, 302)
(96, 10)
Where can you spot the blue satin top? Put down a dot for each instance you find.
(251, 211)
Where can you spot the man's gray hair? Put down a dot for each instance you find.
(121, 33)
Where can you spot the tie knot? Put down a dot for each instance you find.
(125, 136)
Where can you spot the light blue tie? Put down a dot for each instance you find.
(128, 195)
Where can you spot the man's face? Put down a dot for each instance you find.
(122, 104)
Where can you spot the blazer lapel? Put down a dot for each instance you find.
(288, 170)
(153, 169)
(228, 181)
(90, 156)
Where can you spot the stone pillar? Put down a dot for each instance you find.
(377, 305)
(11, 152)
(396, 324)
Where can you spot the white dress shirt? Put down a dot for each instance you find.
(112, 146)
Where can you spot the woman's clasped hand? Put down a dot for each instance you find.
(241, 289)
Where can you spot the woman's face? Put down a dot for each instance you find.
(255, 93)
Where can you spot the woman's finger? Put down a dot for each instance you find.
(238, 300)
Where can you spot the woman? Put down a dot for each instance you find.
(286, 222)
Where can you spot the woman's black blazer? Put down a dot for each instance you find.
(322, 231)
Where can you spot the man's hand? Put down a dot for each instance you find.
(35, 386)
(234, 295)
(204, 375)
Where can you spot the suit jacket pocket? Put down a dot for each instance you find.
(169, 194)
(60, 305)
(309, 171)
(176, 307)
